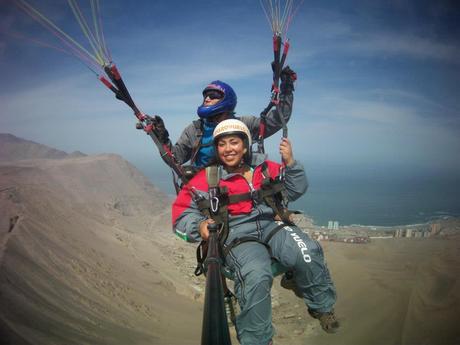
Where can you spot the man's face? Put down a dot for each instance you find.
(212, 97)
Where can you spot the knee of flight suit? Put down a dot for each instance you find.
(258, 275)
(253, 287)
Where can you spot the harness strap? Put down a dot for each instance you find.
(262, 125)
(239, 240)
(202, 249)
(275, 200)
(212, 176)
(197, 144)
(258, 195)
(201, 253)
(216, 207)
(236, 198)
(218, 201)
(274, 232)
(272, 192)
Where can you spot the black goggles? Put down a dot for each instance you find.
(213, 94)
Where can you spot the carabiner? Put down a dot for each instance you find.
(282, 173)
(214, 204)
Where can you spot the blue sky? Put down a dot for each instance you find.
(378, 86)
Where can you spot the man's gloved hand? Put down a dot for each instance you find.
(288, 77)
(156, 124)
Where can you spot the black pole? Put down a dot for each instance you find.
(215, 327)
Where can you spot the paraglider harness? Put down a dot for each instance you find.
(215, 207)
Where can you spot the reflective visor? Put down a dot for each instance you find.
(213, 94)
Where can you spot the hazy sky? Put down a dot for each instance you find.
(378, 84)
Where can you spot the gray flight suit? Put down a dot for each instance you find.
(250, 262)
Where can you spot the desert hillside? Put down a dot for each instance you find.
(13, 148)
(87, 256)
(83, 256)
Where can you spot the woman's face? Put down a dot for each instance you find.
(231, 150)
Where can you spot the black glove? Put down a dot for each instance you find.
(159, 128)
(288, 77)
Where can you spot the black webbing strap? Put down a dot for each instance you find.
(245, 239)
(197, 144)
(212, 176)
(240, 240)
(218, 201)
(258, 195)
(275, 200)
(274, 232)
(201, 253)
(227, 200)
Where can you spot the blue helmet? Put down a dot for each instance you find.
(228, 102)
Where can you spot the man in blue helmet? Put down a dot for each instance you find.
(219, 102)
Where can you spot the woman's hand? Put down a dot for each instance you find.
(286, 152)
(204, 232)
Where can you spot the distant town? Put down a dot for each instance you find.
(361, 234)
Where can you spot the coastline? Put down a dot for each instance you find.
(429, 219)
(358, 233)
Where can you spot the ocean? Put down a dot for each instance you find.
(371, 199)
(380, 200)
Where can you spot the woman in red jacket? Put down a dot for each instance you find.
(245, 206)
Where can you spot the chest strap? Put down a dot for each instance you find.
(257, 196)
(272, 192)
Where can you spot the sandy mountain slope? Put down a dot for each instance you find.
(13, 148)
(87, 257)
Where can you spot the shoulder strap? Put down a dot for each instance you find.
(212, 176)
(218, 201)
(198, 125)
(265, 171)
(273, 193)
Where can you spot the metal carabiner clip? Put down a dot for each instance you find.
(282, 174)
(214, 204)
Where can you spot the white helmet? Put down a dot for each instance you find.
(232, 126)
